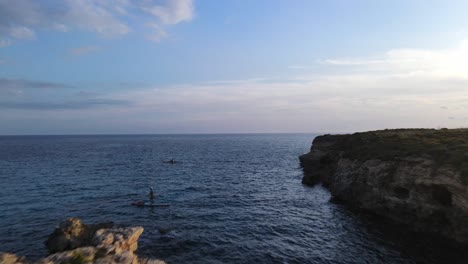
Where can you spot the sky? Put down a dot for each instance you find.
(231, 66)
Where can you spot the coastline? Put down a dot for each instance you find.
(410, 176)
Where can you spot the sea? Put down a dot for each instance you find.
(233, 198)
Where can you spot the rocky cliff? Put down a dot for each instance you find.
(418, 177)
(73, 242)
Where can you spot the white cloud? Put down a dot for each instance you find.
(22, 33)
(5, 43)
(171, 12)
(449, 63)
(353, 62)
(401, 88)
(20, 19)
(406, 88)
(60, 27)
(93, 16)
(157, 33)
(291, 107)
(256, 106)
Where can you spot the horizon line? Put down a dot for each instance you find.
(158, 134)
(223, 133)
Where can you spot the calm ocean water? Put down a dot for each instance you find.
(234, 199)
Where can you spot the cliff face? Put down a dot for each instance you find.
(415, 177)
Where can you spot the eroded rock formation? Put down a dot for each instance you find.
(72, 233)
(415, 177)
(8, 258)
(74, 242)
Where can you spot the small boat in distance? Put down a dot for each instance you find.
(171, 161)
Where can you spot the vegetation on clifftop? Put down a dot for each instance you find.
(445, 146)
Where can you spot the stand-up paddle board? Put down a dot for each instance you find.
(147, 204)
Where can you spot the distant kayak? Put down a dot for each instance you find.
(171, 161)
(142, 203)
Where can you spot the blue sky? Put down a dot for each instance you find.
(182, 66)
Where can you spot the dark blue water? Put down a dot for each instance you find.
(234, 199)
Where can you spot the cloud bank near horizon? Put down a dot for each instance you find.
(400, 88)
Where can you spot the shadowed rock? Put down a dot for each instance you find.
(418, 177)
(72, 233)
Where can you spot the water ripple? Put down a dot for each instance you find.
(234, 199)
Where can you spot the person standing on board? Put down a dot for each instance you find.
(151, 194)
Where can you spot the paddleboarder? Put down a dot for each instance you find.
(151, 194)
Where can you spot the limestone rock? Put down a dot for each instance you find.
(71, 234)
(410, 184)
(92, 255)
(79, 255)
(150, 261)
(125, 257)
(8, 258)
(118, 239)
(75, 242)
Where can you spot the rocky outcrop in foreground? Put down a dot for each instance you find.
(72, 234)
(418, 177)
(74, 242)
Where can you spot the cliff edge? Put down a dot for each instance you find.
(418, 177)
